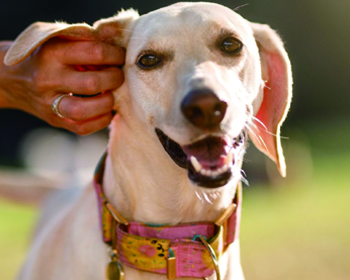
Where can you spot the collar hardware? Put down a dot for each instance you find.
(212, 255)
(119, 218)
(171, 261)
(114, 270)
(183, 250)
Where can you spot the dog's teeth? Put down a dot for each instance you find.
(221, 170)
(197, 166)
(225, 168)
(214, 173)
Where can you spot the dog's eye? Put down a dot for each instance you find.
(148, 61)
(231, 46)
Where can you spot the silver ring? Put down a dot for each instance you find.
(56, 103)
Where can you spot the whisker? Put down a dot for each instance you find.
(206, 198)
(198, 196)
(263, 142)
(245, 181)
(244, 178)
(267, 86)
(259, 121)
(238, 7)
(266, 130)
(213, 195)
(251, 131)
(258, 137)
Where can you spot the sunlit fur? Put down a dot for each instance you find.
(141, 180)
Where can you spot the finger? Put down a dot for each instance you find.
(88, 52)
(79, 109)
(5, 45)
(88, 126)
(90, 82)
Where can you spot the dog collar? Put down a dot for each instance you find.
(183, 250)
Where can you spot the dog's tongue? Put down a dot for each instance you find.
(210, 152)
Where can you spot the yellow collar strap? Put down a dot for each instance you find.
(183, 250)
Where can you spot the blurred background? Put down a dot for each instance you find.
(293, 228)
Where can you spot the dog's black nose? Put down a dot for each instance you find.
(203, 108)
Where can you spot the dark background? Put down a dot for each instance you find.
(294, 228)
(315, 32)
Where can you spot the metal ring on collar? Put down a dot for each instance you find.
(212, 255)
(56, 103)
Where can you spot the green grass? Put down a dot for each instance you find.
(301, 229)
(16, 223)
(298, 230)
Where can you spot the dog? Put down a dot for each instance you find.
(199, 79)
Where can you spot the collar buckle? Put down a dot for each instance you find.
(119, 218)
(212, 256)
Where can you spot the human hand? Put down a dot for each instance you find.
(64, 66)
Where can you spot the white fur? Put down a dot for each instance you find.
(140, 179)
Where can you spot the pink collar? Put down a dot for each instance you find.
(183, 250)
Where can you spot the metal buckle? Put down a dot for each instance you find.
(227, 213)
(212, 255)
(119, 218)
(171, 265)
(222, 221)
(114, 269)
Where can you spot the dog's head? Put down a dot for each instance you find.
(199, 79)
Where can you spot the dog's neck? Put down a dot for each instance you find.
(144, 185)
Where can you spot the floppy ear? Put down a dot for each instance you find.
(110, 30)
(116, 30)
(277, 74)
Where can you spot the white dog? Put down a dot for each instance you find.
(198, 79)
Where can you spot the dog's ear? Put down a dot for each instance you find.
(112, 30)
(38, 33)
(116, 30)
(277, 75)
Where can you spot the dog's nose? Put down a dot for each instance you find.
(203, 108)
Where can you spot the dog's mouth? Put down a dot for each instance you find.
(209, 161)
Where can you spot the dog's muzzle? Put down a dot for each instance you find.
(209, 161)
